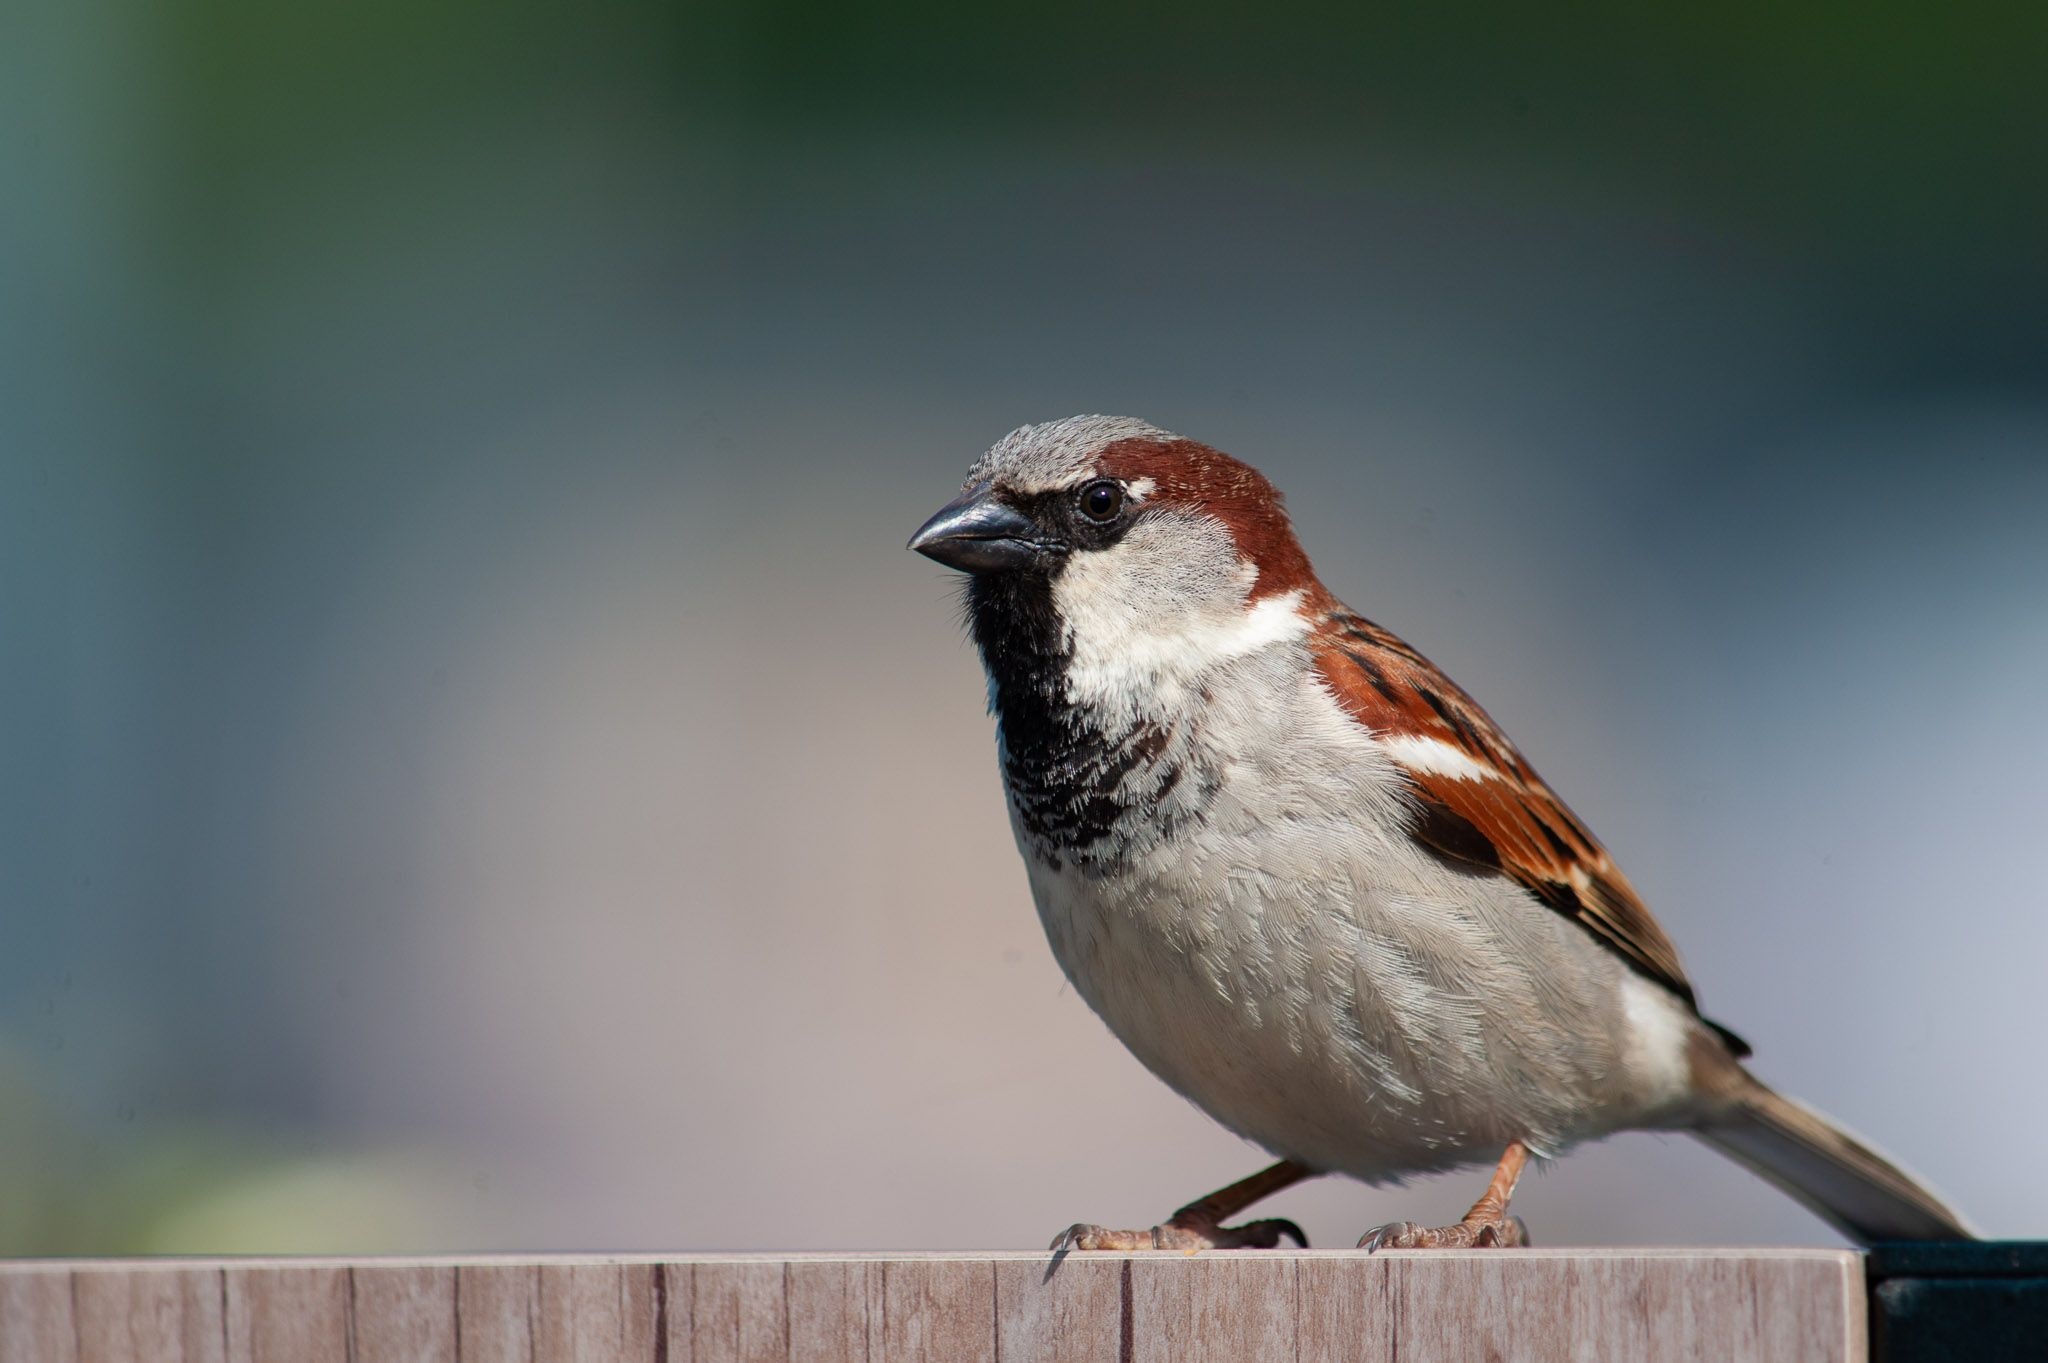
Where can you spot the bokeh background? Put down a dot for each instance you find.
(480, 770)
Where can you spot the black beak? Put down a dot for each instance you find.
(978, 534)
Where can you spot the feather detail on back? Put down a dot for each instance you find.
(1479, 803)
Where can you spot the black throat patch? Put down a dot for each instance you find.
(1072, 781)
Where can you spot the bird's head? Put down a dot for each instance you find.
(1134, 554)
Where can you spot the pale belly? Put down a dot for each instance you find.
(1372, 1019)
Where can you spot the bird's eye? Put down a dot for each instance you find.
(1100, 501)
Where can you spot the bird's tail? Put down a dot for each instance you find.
(1836, 1175)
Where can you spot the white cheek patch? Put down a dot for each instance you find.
(1148, 616)
(1167, 660)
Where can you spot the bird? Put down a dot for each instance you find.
(1306, 879)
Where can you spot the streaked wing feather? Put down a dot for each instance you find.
(1502, 818)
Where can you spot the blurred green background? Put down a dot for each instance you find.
(479, 769)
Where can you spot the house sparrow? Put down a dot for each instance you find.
(1305, 878)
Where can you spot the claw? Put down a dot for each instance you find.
(1390, 1236)
(1199, 1225)
(1083, 1236)
(1269, 1232)
(1511, 1233)
(1486, 1226)
(1187, 1236)
(1506, 1233)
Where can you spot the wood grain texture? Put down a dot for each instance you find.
(147, 1315)
(1744, 1306)
(300, 1312)
(403, 1315)
(738, 1313)
(37, 1320)
(1062, 1314)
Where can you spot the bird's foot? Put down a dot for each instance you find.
(1486, 1226)
(1199, 1225)
(1505, 1232)
(1187, 1234)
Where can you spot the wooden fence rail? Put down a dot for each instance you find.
(1637, 1306)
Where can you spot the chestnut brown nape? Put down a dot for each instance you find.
(1187, 473)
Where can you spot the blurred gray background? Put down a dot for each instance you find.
(478, 768)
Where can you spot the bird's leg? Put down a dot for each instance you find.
(1199, 1225)
(1486, 1226)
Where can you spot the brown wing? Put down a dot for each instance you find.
(1479, 803)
